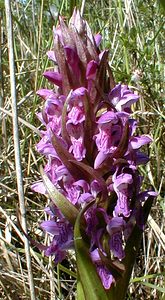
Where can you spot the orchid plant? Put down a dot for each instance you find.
(93, 153)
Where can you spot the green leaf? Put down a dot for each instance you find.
(92, 287)
(146, 277)
(67, 208)
(80, 291)
(67, 271)
(153, 286)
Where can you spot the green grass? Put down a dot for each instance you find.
(134, 33)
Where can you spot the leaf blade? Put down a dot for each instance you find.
(65, 206)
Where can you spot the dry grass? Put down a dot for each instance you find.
(133, 31)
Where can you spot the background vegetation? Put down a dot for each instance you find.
(134, 33)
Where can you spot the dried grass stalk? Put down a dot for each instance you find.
(17, 144)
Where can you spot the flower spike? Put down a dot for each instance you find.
(92, 151)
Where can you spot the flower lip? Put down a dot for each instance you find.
(137, 141)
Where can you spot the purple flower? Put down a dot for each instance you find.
(109, 133)
(91, 147)
(62, 233)
(39, 187)
(105, 275)
(137, 142)
(122, 187)
(97, 219)
(121, 97)
(115, 228)
(45, 146)
(53, 77)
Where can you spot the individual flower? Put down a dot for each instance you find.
(121, 97)
(62, 233)
(106, 277)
